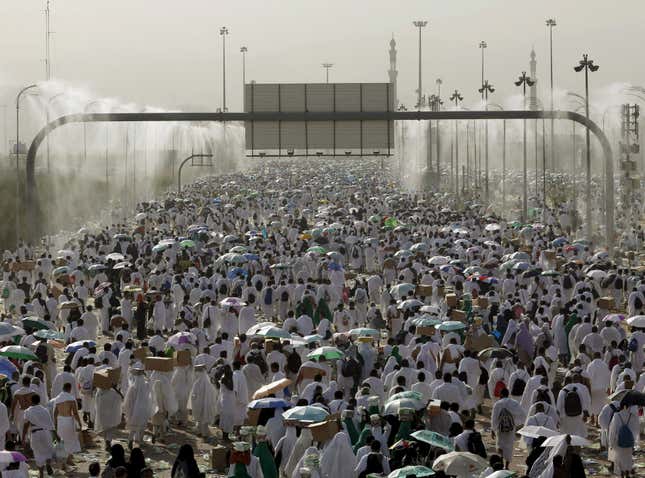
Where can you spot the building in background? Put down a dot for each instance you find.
(393, 73)
(533, 99)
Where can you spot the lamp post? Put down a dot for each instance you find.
(482, 46)
(587, 65)
(243, 50)
(524, 81)
(4, 127)
(456, 97)
(327, 67)
(223, 32)
(503, 158)
(550, 23)
(419, 24)
(438, 82)
(484, 90)
(18, 159)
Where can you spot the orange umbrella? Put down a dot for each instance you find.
(273, 387)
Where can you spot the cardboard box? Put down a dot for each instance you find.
(106, 378)
(252, 417)
(457, 314)
(219, 458)
(270, 345)
(311, 372)
(324, 431)
(549, 254)
(481, 302)
(159, 364)
(429, 331)
(424, 291)
(451, 300)
(434, 408)
(183, 358)
(606, 303)
(141, 353)
(23, 266)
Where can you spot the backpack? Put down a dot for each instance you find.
(572, 404)
(268, 297)
(613, 361)
(633, 345)
(374, 465)
(506, 421)
(349, 366)
(355, 253)
(567, 283)
(638, 303)
(499, 386)
(285, 296)
(518, 387)
(625, 435)
(293, 362)
(543, 396)
(476, 444)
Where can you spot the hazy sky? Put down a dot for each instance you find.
(168, 52)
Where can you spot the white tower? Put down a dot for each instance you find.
(393, 73)
(533, 99)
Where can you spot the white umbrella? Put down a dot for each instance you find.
(637, 321)
(596, 274)
(502, 474)
(462, 464)
(438, 260)
(534, 431)
(492, 227)
(558, 439)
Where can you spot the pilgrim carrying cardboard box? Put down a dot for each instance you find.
(451, 300)
(183, 358)
(481, 302)
(457, 314)
(424, 291)
(429, 331)
(252, 417)
(106, 378)
(311, 372)
(606, 303)
(159, 364)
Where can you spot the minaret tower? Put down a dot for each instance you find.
(393, 73)
(533, 99)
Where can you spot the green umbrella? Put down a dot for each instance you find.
(160, 248)
(317, 250)
(48, 334)
(187, 244)
(450, 326)
(416, 470)
(390, 223)
(392, 407)
(280, 266)
(273, 333)
(433, 439)
(37, 323)
(307, 414)
(425, 321)
(550, 273)
(18, 352)
(239, 249)
(330, 353)
(59, 271)
(407, 394)
(374, 219)
(365, 332)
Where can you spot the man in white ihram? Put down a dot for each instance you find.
(39, 425)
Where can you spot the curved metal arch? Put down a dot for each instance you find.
(31, 200)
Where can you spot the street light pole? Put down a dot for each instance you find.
(327, 66)
(551, 23)
(18, 160)
(482, 46)
(243, 50)
(524, 81)
(223, 32)
(484, 90)
(587, 65)
(419, 24)
(456, 97)
(438, 82)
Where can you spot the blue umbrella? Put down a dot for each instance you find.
(333, 266)
(74, 346)
(6, 367)
(269, 402)
(236, 272)
(252, 257)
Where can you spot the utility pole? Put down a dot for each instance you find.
(523, 81)
(327, 67)
(551, 23)
(48, 32)
(456, 97)
(419, 24)
(223, 32)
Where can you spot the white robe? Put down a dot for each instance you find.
(203, 398)
(66, 426)
(108, 411)
(506, 440)
(41, 439)
(574, 425)
(241, 392)
(622, 458)
(137, 405)
(600, 376)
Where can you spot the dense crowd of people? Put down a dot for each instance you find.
(318, 321)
